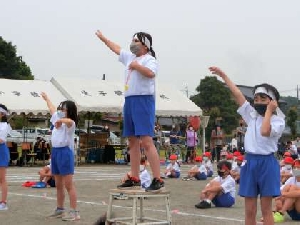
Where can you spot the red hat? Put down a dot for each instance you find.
(236, 153)
(287, 154)
(207, 154)
(173, 157)
(229, 156)
(288, 160)
(198, 159)
(240, 158)
(297, 162)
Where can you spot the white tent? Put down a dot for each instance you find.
(97, 95)
(91, 95)
(23, 96)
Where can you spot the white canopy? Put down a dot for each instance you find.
(97, 95)
(23, 96)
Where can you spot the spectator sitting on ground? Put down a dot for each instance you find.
(220, 191)
(287, 170)
(229, 158)
(224, 153)
(173, 168)
(236, 170)
(198, 171)
(46, 175)
(144, 174)
(289, 201)
(208, 164)
(292, 149)
(286, 154)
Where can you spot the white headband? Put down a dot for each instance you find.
(145, 41)
(3, 111)
(263, 90)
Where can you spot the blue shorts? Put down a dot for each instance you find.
(177, 175)
(224, 200)
(4, 155)
(139, 116)
(210, 173)
(294, 214)
(260, 176)
(62, 161)
(201, 176)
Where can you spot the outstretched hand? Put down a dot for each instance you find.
(99, 34)
(217, 71)
(44, 96)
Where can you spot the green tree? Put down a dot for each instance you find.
(292, 116)
(215, 100)
(11, 65)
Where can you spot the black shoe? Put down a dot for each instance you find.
(130, 184)
(203, 205)
(156, 186)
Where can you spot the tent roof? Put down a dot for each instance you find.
(97, 95)
(23, 96)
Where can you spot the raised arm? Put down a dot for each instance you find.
(51, 107)
(111, 45)
(236, 92)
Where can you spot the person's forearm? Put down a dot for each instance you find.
(236, 92)
(111, 45)
(51, 107)
(265, 129)
(145, 71)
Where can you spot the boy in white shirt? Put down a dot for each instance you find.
(221, 190)
(173, 168)
(236, 169)
(289, 201)
(286, 171)
(199, 172)
(208, 164)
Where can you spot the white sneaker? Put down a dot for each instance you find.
(71, 216)
(3, 206)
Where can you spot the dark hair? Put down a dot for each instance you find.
(224, 163)
(141, 36)
(268, 87)
(71, 110)
(4, 117)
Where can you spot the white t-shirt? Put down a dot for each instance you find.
(291, 181)
(145, 178)
(255, 143)
(284, 169)
(227, 184)
(174, 167)
(62, 136)
(208, 165)
(5, 129)
(137, 83)
(293, 150)
(233, 143)
(202, 169)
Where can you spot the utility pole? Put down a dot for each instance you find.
(297, 94)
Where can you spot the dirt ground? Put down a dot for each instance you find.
(30, 206)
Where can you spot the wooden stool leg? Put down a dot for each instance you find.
(141, 209)
(167, 200)
(109, 209)
(134, 211)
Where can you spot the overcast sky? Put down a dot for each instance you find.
(255, 41)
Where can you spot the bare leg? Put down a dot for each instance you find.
(152, 155)
(250, 210)
(3, 183)
(68, 180)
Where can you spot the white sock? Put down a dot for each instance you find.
(207, 200)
